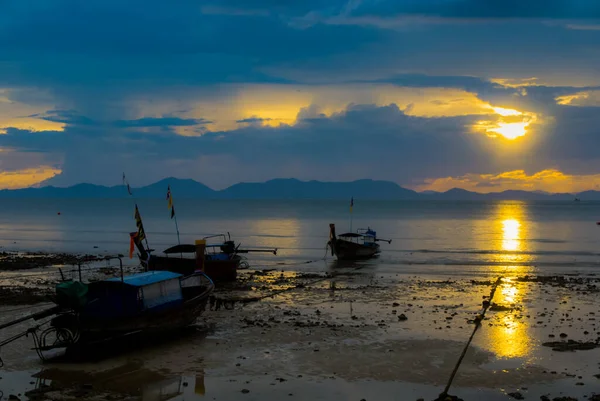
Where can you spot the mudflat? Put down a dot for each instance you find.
(346, 333)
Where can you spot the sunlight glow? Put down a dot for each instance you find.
(511, 130)
(30, 124)
(507, 335)
(26, 177)
(509, 225)
(510, 235)
(549, 180)
(506, 112)
(510, 124)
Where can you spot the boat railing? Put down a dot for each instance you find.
(86, 260)
(225, 237)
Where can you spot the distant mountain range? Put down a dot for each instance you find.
(284, 189)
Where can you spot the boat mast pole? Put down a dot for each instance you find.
(126, 183)
(173, 215)
(351, 206)
(177, 228)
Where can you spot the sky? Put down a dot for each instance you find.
(430, 94)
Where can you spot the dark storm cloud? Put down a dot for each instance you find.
(380, 139)
(573, 137)
(253, 120)
(116, 43)
(71, 117)
(98, 63)
(161, 122)
(362, 141)
(550, 9)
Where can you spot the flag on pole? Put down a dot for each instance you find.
(351, 203)
(126, 184)
(170, 199)
(138, 222)
(131, 244)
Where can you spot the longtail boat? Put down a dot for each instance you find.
(362, 244)
(222, 260)
(137, 304)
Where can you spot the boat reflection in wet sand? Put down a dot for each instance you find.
(353, 246)
(221, 260)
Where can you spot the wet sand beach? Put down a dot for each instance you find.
(346, 332)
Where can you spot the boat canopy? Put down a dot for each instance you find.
(147, 278)
(183, 248)
(130, 295)
(188, 248)
(351, 235)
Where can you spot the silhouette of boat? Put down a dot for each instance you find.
(363, 244)
(221, 260)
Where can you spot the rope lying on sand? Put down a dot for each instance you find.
(477, 321)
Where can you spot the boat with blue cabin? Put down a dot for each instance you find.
(153, 301)
(147, 303)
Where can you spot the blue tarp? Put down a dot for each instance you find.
(144, 279)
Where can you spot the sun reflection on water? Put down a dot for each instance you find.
(511, 223)
(508, 336)
(510, 235)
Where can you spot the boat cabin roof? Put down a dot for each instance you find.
(187, 248)
(352, 235)
(147, 278)
(183, 248)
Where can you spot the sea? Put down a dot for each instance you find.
(437, 237)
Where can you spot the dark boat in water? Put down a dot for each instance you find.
(221, 260)
(146, 303)
(363, 244)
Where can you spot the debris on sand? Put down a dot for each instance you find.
(570, 345)
(11, 261)
(11, 295)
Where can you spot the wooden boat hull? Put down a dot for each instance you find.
(346, 250)
(217, 270)
(94, 328)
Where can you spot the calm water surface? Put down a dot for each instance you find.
(430, 236)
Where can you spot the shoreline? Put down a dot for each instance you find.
(341, 332)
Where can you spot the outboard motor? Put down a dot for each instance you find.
(228, 247)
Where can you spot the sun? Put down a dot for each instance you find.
(511, 123)
(511, 130)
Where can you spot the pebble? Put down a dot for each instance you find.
(516, 395)
(245, 391)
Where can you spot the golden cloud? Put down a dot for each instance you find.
(272, 104)
(584, 98)
(17, 115)
(26, 177)
(549, 180)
